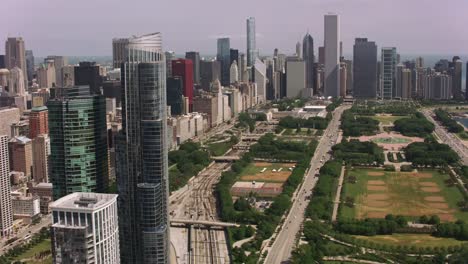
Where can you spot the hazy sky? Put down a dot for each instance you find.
(86, 27)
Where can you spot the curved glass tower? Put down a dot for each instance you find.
(142, 173)
(308, 55)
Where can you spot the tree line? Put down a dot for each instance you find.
(414, 126)
(354, 126)
(355, 152)
(430, 154)
(447, 121)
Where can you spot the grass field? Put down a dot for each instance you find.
(377, 193)
(41, 247)
(390, 140)
(253, 172)
(418, 240)
(387, 119)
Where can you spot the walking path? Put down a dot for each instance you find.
(338, 194)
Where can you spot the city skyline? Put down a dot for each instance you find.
(270, 28)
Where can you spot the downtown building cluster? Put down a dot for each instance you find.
(69, 130)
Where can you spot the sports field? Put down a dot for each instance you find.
(377, 193)
(253, 172)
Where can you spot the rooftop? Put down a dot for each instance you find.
(84, 201)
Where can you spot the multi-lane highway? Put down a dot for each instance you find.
(286, 238)
(448, 138)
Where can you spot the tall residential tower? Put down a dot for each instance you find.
(364, 68)
(251, 48)
(142, 172)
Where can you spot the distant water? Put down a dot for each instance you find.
(464, 121)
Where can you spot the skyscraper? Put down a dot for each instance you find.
(234, 56)
(46, 74)
(332, 55)
(16, 85)
(38, 121)
(170, 55)
(234, 72)
(251, 46)
(260, 80)
(6, 212)
(85, 229)
(209, 71)
(175, 94)
(224, 57)
(364, 68)
(298, 50)
(78, 141)
(119, 49)
(183, 68)
(59, 63)
(387, 72)
(141, 152)
(87, 73)
(194, 56)
(295, 77)
(321, 56)
(15, 56)
(456, 71)
(21, 155)
(29, 64)
(308, 56)
(41, 154)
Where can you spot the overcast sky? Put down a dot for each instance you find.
(86, 27)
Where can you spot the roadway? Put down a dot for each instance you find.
(46, 221)
(448, 138)
(285, 240)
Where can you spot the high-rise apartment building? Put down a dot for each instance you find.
(183, 68)
(170, 55)
(141, 152)
(388, 63)
(29, 64)
(21, 155)
(364, 68)
(308, 56)
(6, 211)
(85, 229)
(332, 55)
(41, 153)
(15, 56)
(251, 43)
(234, 72)
(260, 80)
(119, 52)
(223, 55)
(321, 55)
(78, 141)
(38, 121)
(194, 56)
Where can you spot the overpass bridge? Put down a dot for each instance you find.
(225, 158)
(202, 222)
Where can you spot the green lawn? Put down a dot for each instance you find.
(41, 247)
(419, 240)
(218, 149)
(387, 120)
(402, 194)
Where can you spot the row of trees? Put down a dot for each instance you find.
(190, 160)
(354, 126)
(447, 121)
(458, 230)
(355, 152)
(18, 250)
(371, 108)
(415, 126)
(270, 148)
(315, 122)
(430, 154)
(321, 202)
(370, 226)
(334, 104)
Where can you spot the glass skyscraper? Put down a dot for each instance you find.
(387, 72)
(223, 55)
(308, 56)
(364, 68)
(142, 172)
(251, 52)
(78, 141)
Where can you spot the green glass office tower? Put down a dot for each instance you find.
(78, 141)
